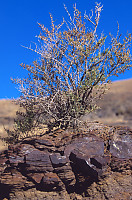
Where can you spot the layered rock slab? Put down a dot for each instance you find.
(83, 166)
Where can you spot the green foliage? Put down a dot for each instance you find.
(71, 73)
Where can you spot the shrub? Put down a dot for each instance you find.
(73, 68)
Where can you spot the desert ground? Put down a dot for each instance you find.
(116, 109)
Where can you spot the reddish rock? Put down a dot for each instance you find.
(13, 178)
(44, 144)
(66, 174)
(22, 150)
(87, 156)
(57, 160)
(51, 182)
(63, 169)
(90, 145)
(36, 177)
(81, 166)
(38, 161)
(121, 145)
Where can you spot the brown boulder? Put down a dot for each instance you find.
(81, 166)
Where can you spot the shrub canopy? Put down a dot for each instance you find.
(73, 68)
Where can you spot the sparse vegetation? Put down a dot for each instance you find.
(72, 71)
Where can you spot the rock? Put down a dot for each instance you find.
(57, 160)
(38, 161)
(22, 150)
(121, 144)
(15, 160)
(44, 144)
(12, 178)
(36, 177)
(63, 169)
(81, 165)
(66, 174)
(94, 165)
(88, 155)
(51, 182)
(121, 150)
(87, 160)
(90, 145)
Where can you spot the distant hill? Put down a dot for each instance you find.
(116, 105)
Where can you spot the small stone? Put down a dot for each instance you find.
(57, 160)
(51, 182)
(37, 177)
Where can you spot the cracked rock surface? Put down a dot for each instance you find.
(94, 163)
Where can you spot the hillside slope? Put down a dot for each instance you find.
(116, 105)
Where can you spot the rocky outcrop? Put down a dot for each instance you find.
(94, 163)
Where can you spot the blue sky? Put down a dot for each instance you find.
(18, 23)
